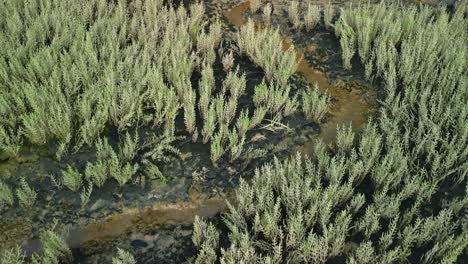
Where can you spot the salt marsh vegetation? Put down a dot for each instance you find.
(382, 198)
(115, 92)
(68, 87)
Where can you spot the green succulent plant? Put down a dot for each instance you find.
(377, 196)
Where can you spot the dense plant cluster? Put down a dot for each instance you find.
(69, 71)
(72, 72)
(338, 206)
(265, 49)
(303, 14)
(54, 251)
(422, 59)
(397, 193)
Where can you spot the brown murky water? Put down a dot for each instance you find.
(236, 14)
(139, 220)
(349, 107)
(147, 219)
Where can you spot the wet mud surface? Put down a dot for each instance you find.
(145, 207)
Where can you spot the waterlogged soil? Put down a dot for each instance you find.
(146, 207)
(153, 219)
(159, 232)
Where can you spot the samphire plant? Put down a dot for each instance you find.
(315, 104)
(314, 211)
(265, 48)
(98, 66)
(377, 197)
(123, 257)
(54, 250)
(312, 17)
(112, 67)
(293, 15)
(6, 196)
(26, 194)
(72, 179)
